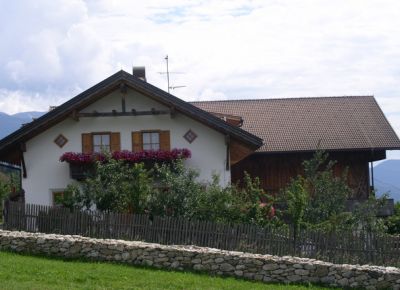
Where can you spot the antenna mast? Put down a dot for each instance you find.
(166, 59)
(168, 73)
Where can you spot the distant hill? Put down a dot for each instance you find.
(10, 123)
(387, 178)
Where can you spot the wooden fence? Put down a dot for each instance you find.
(343, 247)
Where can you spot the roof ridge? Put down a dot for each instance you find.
(287, 98)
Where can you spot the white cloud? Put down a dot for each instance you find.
(52, 50)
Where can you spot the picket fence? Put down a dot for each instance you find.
(339, 247)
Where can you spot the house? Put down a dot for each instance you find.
(353, 130)
(268, 138)
(123, 112)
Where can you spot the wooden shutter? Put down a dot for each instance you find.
(137, 142)
(165, 143)
(87, 143)
(115, 141)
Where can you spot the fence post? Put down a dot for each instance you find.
(5, 211)
(295, 234)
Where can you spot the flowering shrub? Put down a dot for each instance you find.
(129, 156)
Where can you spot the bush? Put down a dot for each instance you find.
(169, 189)
(318, 197)
(115, 186)
(393, 222)
(174, 189)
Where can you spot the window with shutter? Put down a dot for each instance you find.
(165, 141)
(99, 142)
(150, 140)
(87, 143)
(115, 141)
(137, 142)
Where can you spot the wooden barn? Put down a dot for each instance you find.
(353, 130)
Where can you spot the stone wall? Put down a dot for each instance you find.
(250, 266)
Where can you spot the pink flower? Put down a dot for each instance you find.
(128, 156)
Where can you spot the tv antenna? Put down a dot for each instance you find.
(168, 73)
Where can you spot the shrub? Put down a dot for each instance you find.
(115, 186)
(393, 222)
(318, 197)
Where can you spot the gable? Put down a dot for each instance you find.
(102, 93)
(133, 100)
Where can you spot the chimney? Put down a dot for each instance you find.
(139, 72)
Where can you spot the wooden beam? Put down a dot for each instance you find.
(238, 151)
(123, 88)
(123, 105)
(24, 174)
(228, 154)
(74, 115)
(22, 147)
(172, 112)
(114, 113)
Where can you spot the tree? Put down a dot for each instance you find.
(297, 200)
(393, 222)
(318, 197)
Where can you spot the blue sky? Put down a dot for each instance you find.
(52, 50)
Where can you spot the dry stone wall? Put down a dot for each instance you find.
(265, 268)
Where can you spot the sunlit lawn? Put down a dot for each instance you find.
(29, 272)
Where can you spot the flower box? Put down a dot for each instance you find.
(146, 156)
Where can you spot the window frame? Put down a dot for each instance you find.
(151, 143)
(57, 192)
(93, 134)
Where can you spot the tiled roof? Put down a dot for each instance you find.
(113, 82)
(306, 124)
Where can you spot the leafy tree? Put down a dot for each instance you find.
(318, 197)
(365, 215)
(327, 193)
(393, 222)
(297, 200)
(4, 190)
(255, 205)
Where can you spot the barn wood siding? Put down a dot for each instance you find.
(276, 170)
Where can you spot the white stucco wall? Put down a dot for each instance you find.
(47, 174)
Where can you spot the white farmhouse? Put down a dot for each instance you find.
(123, 112)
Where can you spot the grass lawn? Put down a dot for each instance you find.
(29, 272)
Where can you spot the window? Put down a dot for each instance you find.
(101, 142)
(151, 140)
(59, 197)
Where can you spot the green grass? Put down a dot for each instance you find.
(31, 272)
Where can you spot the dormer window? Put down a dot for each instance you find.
(151, 140)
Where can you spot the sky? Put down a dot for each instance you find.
(52, 50)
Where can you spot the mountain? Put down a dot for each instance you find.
(387, 178)
(28, 115)
(10, 123)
